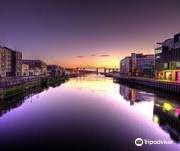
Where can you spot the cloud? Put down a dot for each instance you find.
(80, 56)
(93, 55)
(104, 55)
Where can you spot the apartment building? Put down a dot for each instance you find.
(167, 59)
(36, 67)
(138, 65)
(10, 62)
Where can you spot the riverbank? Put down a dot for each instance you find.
(161, 86)
(13, 87)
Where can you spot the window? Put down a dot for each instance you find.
(165, 65)
(158, 51)
(178, 64)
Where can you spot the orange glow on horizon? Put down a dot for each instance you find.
(111, 61)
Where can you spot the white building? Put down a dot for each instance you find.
(25, 70)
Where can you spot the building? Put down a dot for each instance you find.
(25, 70)
(167, 59)
(36, 67)
(54, 70)
(10, 62)
(143, 65)
(126, 66)
(138, 65)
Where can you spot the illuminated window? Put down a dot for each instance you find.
(158, 51)
(165, 65)
(178, 64)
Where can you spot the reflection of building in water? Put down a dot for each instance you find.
(167, 115)
(16, 101)
(133, 95)
(7, 105)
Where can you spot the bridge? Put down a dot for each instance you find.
(96, 70)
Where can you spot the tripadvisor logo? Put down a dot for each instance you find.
(138, 141)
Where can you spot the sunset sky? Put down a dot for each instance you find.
(75, 33)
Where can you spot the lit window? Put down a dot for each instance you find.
(158, 51)
(165, 65)
(178, 64)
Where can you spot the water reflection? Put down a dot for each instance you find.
(93, 83)
(134, 95)
(166, 113)
(16, 101)
(92, 111)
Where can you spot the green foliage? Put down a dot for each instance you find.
(44, 83)
(14, 91)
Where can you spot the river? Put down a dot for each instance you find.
(90, 112)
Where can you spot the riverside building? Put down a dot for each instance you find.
(138, 65)
(10, 62)
(167, 59)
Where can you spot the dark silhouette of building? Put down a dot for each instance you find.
(54, 70)
(36, 67)
(167, 59)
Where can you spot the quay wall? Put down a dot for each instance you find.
(165, 86)
(14, 86)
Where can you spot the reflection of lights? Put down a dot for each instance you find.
(155, 119)
(133, 95)
(177, 111)
(158, 105)
(167, 106)
(94, 83)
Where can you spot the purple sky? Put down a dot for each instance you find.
(89, 33)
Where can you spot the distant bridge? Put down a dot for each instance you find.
(96, 70)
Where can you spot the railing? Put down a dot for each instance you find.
(147, 79)
(159, 85)
(13, 81)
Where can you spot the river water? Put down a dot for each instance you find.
(90, 112)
